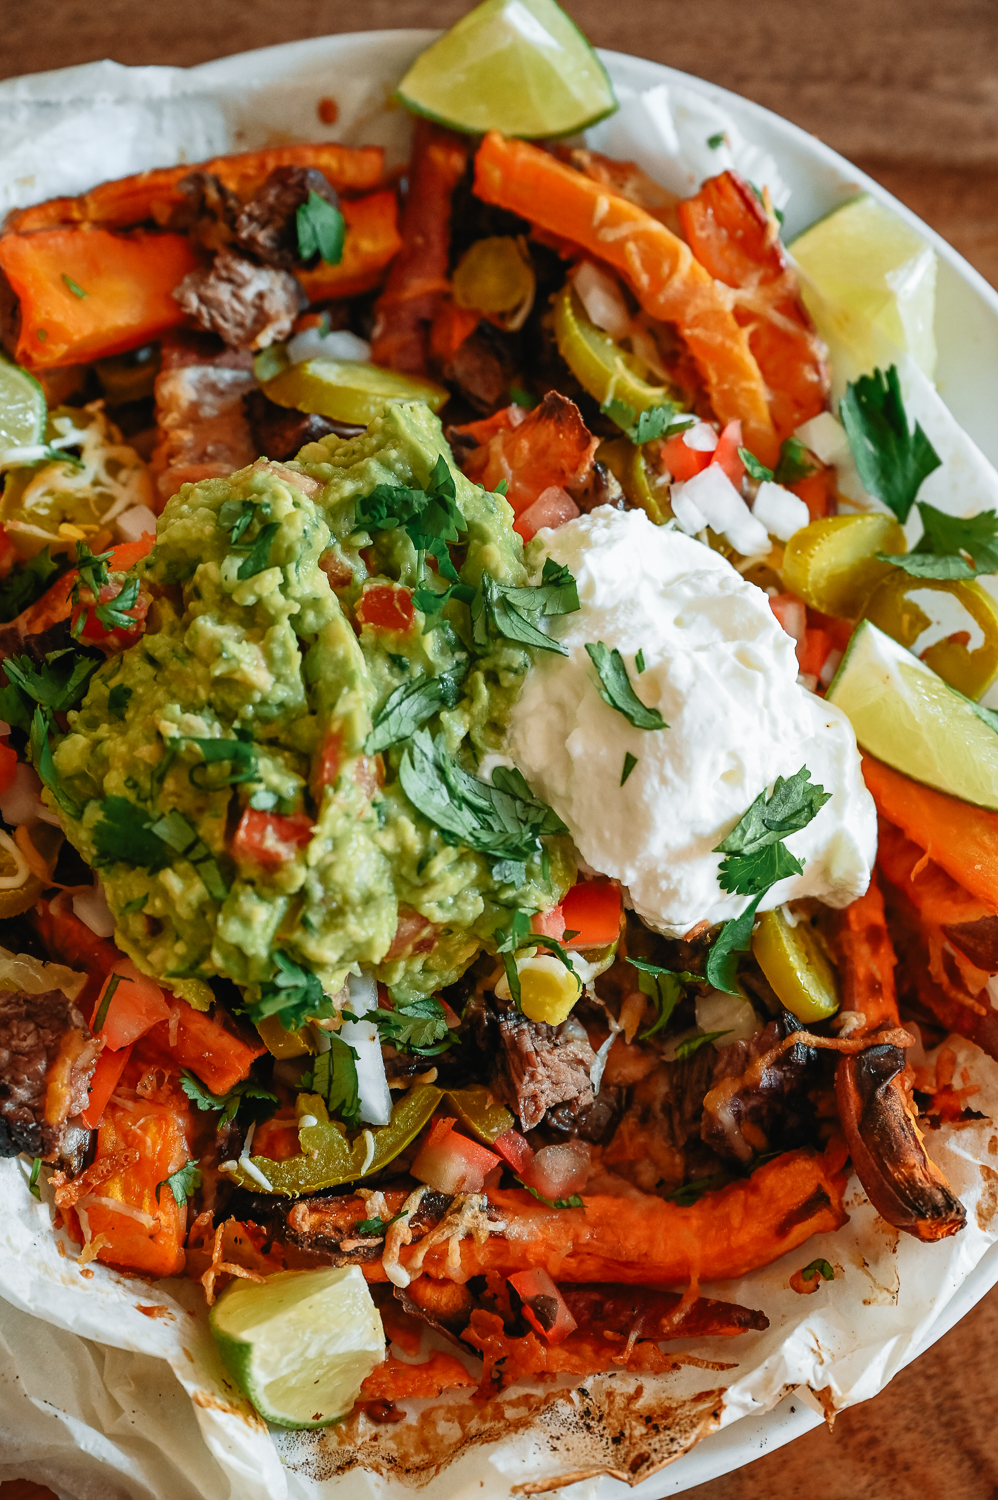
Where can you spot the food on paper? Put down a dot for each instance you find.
(455, 655)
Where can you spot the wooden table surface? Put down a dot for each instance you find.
(908, 89)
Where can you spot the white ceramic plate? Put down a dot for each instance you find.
(144, 117)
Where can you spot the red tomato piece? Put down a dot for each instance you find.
(725, 455)
(8, 768)
(544, 1308)
(812, 651)
(110, 1066)
(451, 1163)
(136, 1004)
(682, 461)
(326, 767)
(553, 507)
(385, 607)
(791, 613)
(270, 840)
(96, 634)
(592, 910)
(551, 923)
(514, 1149)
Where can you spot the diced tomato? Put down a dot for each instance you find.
(817, 492)
(8, 768)
(270, 840)
(384, 606)
(791, 613)
(203, 1044)
(127, 554)
(813, 650)
(592, 911)
(451, 1163)
(96, 634)
(725, 455)
(682, 461)
(72, 943)
(110, 1066)
(515, 1150)
(136, 1004)
(550, 923)
(553, 507)
(326, 766)
(544, 1308)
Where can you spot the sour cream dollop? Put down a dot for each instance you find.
(723, 674)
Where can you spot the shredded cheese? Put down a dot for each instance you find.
(399, 1234)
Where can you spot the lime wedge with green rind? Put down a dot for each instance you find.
(300, 1344)
(23, 410)
(907, 716)
(518, 66)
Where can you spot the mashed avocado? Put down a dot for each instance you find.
(288, 836)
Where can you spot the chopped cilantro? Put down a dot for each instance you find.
(574, 1202)
(408, 708)
(663, 986)
(57, 685)
(692, 1192)
(183, 1183)
(240, 753)
(735, 937)
(41, 755)
(258, 556)
(757, 856)
(136, 904)
(616, 689)
(691, 1044)
(26, 582)
(294, 995)
(378, 1226)
(753, 467)
(818, 1267)
(334, 1077)
(124, 833)
(234, 516)
(892, 461)
(244, 1092)
(117, 700)
(520, 397)
(33, 1188)
(418, 1026)
(321, 230)
(639, 662)
(113, 613)
(108, 996)
(716, 140)
(653, 422)
(795, 462)
(950, 546)
(74, 286)
(630, 761)
(430, 517)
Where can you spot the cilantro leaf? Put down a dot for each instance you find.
(492, 609)
(716, 140)
(183, 1183)
(818, 1267)
(753, 467)
(92, 569)
(556, 594)
(630, 761)
(334, 1076)
(33, 1188)
(757, 857)
(41, 755)
(735, 937)
(175, 830)
(59, 684)
(258, 556)
(125, 834)
(377, 1225)
(26, 582)
(409, 707)
(294, 995)
(113, 613)
(691, 1044)
(639, 662)
(234, 516)
(229, 1104)
(74, 286)
(430, 517)
(573, 1202)
(418, 1026)
(692, 1192)
(951, 546)
(892, 461)
(321, 230)
(239, 752)
(663, 986)
(117, 700)
(136, 904)
(795, 462)
(431, 601)
(653, 422)
(504, 820)
(616, 689)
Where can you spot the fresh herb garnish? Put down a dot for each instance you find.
(117, 700)
(136, 904)
(408, 708)
(294, 995)
(692, 1192)
(716, 140)
(234, 516)
(125, 833)
(630, 761)
(691, 1044)
(735, 937)
(41, 755)
(175, 831)
(33, 1188)
(378, 1226)
(520, 397)
(183, 1183)
(108, 996)
(795, 462)
(950, 546)
(892, 461)
(430, 517)
(334, 1077)
(418, 1026)
(241, 753)
(653, 422)
(639, 662)
(321, 230)
(757, 856)
(243, 1093)
(74, 286)
(27, 582)
(504, 820)
(113, 613)
(492, 608)
(258, 556)
(616, 689)
(574, 1202)
(753, 467)
(59, 684)
(663, 986)
(818, 1267)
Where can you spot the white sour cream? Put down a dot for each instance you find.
(723, 674)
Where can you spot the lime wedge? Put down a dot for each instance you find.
(300, 1344)
(876, 277)
(346, 390)
(519, 66)
(908, 717)
(22, 407)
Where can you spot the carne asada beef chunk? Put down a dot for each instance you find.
(595, 1122)
(599, 487)
(47, 1057)
(480, 370)
(201, 426)
(771, 1114)
(249, 306)
(279, 432)
(267, 227)
(539, 1066)
(208, 212)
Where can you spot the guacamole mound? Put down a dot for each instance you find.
(282, 660)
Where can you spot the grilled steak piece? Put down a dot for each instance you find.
(203, 431)
(209, 211)
(539, 1065)
(480, 370)
(267, 227)
(745, 1115)
(47, 1057)
(279, 432)
(248, 306)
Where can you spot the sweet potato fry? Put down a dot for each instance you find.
(154, 195)
(550, 446)
(372, 239)
(418, 278)
(733, 238)
(667, 280)
(394, 1380)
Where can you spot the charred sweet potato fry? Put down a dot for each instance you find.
(732, 236)
(394, 1380)
(551, 445)
(418, 280)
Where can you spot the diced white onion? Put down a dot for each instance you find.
(701, 437)
(826, 438)
(829, 667)
(723, 508)
(21, 802)
(138, 521)
(373, 1092)
(363, 990)
(305, 1121)
(781, 512)
(340, 343)
(729, 1013)
(688, 517)
(602, 299)
(91, 907)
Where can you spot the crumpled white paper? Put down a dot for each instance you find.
(109, 1386)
